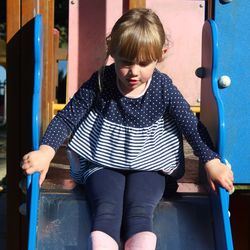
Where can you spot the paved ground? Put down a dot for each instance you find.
(2, 189)
(2, 153)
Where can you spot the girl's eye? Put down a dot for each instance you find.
(126, 63)
(144, 64)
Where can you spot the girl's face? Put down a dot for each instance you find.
(132, 76)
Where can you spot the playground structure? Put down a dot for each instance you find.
(210, 116)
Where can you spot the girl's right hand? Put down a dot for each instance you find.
(38, 161)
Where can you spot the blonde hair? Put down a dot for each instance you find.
(138, 36)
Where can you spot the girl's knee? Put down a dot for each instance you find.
(107, 217)
(107, 210)
(138, 218)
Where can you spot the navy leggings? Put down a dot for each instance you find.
(123, 202)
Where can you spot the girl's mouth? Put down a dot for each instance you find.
(133, 81)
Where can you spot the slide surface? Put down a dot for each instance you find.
(183, 222)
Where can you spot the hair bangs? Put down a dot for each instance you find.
(138, 47)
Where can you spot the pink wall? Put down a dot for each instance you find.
(89, 24)
(183, 21)
(91, 21)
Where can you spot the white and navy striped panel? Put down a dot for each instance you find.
(112, 145)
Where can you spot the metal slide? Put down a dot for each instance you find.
(60, 220)
(183, 222)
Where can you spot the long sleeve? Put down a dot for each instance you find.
(67, 120)
(193, 130)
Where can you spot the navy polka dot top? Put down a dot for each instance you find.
(111, 130)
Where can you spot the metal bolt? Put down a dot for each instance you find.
(224, 81)
(23, 209)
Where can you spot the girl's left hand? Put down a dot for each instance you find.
(219, 173)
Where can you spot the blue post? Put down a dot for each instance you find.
(33, 180)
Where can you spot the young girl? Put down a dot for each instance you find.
(126, 123)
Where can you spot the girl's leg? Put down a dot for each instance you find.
(105, 190)
(102, 241)
(141, 241)
(143, 192)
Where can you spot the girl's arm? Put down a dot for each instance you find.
(70, 118)
(61, 126)
(199, 139)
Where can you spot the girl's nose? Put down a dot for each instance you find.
(134, 70)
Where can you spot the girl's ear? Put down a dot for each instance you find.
(164, 51)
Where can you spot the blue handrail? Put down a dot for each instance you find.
(33, 180)
(223, 194)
